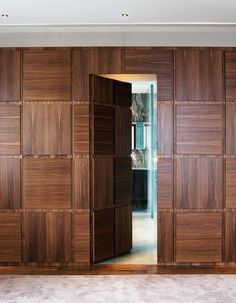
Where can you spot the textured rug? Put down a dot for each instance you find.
(122, 289)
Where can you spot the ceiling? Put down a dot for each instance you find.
(108, 12)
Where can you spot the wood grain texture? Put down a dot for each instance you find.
(47, 75)
(122, 130)
(165, 183)
(10, 130)
(165, 237)
(199, 75)
(231, 129)
(103, 179)
(122, 93)
(230, 76)
(94, 60)
(230, 237)
(101, 90)
(123, 229)
(231, 183)
(199, 129)
(82, 181)
(123, 180)
(103, 130)
(199, 237)
(199, 183)
(10, 183)
(146, 60)
(103, 235)
(81, 236)
(47, 183)
(165, 129)
(9, 75)
(47, 129)
(81, 129)
(10, 237)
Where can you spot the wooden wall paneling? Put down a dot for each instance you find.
(122, 93)
(10, 75)
(199, 183)
(47, 75)
(10, 237)
(94, 60)
(165, 128)
(81, 236)
(10, 183)
(82, 180)
(51, 181)
(103, 129)
(199, 237)
(230, 183)
(10, 123)
(122, 130)
(165, 182)
(199, 129)
(123, 180)
(123, 229)
(165, 237)
(47, 129)
(81, 129)
(146, 60)
(230, 129)
(103, 178)
(199, 75)
(101, 89)
(230, 237)
(103, 235)
(230, 76)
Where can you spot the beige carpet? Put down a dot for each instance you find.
(122, 289)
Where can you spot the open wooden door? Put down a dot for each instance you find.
(111, 167)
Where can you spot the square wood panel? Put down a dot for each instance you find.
(47, 129)
(103, 179)
(10, 183)
(82, 182)
(122, 130)
(47, 183)
(199, 129)
(10, 237)
(94, 60)
(231, 183)
(230, 237)
(122, 93)
(81, 129)
(47, 75)
(199, 237)
(9, 75)
(165, 237)
(165, 183)
(199, 183)
(230, 66)
(199, 75)
(165, 128)
(10, 130)
(231, 129)
(101, 90)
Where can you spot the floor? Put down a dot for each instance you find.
(144, 241)
(118, 289)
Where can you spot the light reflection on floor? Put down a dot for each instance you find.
(144, 242)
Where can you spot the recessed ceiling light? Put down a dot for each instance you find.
(4, 15)
(124, 15)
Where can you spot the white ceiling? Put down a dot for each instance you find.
(78, 12)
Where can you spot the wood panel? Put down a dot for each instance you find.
(10, 130)
(199, 237)
(103, 235)
(101, 90)
(81, 236)
(230, 237)
(10, 183)
(122, 93)
(81, 129)
(10, 237)
(9, 75)
(123, 180)
(230, 75)
(199, 75)
(230, 129)
(153, 61)
(94, 60)
(165, 237)
(165, 183)
(47, 75)
(103, 178)
(123, 229)
(199, 129)
(47, 183)
(231, 183)
(103, 130)
(82, 180)
(165, 129)
(122, 130)
(199, 183)
(47, 129)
